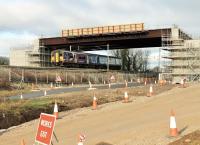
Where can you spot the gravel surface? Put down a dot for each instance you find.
(144, 121)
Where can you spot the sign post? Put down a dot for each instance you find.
(45, 129)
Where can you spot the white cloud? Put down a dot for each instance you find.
(36, 17)
(11, 40)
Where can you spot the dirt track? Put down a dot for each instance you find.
(145, 121)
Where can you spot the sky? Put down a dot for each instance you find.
(22, 21)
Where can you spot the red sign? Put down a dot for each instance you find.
(112, 77)
(45, 129)
(58, 79)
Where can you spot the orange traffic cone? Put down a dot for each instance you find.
(150, 93)
(173, 129)
(22, 142)
(81, 139)
(90, 85)
(109, 85)
(126, 84)
(45, 93)
(182, 83)
(94, 105)
(56, 110)
(21, 96)
(138, 80)
(125, 97)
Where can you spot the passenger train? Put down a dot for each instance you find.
(80, 59)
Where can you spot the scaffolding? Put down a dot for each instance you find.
(39, 56)
(34, 55)
(181, 56)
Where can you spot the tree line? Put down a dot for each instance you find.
(133, 59)
(4, 60)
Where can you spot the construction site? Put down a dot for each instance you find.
(45, 100)
(178, 51)
(99, 72)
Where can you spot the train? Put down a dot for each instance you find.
(65, 58)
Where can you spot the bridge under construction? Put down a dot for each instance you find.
(179, 52)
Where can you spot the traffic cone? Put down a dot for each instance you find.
(90, 85)
(150, 91)
(51, 85)
(21, 96)
(94, 104)
(182, 83)
(109, 85)
(138, 80)
(45, 92)
(126, 84)
(55, 111)
(125, 97)
(81, 139)
(22, 142)
(173, 129)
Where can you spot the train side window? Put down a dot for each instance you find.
(70, 55)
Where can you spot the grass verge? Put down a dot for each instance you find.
(15, 112)
(189, 139)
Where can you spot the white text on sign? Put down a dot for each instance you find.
(46, 123)
(43, 134)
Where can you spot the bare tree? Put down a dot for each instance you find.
(135, 60)
(4, 61)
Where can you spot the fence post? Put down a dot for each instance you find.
(10, 77)
(82, 77)
(36, 81)
(22, 75)
(74, 77)
(66, 77)
(47, 77)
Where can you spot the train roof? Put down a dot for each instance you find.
(88, 53)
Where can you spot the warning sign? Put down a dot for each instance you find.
(58, 79)
(112, 77)
(45, 129)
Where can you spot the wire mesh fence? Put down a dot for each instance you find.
(67, 76)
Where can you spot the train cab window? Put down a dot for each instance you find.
(82, 57)
(70, 55)
(65, 55)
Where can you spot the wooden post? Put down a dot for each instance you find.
(82, 77)
(66, 77)
(74, 77)
(36, 78)
(22, 75)
(10, 77)
(47, 77)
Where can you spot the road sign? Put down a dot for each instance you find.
(58, 79)
(45, 129)
(112, 77)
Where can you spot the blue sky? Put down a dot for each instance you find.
(21, 21)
